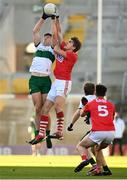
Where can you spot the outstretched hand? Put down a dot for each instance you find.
(55, 15)
(87, 118)
(45, 16)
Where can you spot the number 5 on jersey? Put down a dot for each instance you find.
(103, 111)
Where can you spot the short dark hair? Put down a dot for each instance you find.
(77, 44)
(48, 34)
(101, 90)
(89, 88)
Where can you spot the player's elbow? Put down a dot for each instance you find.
(35, 31)
(56, 49)
(82, 115)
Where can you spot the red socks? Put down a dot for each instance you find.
(60, 121)
(43, 125)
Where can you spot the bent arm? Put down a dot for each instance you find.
(60, 51)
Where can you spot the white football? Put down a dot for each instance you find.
(50, 9)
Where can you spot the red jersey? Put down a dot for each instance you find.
(102, 114)
(64, 66)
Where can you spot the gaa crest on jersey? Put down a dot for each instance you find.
(60, 58)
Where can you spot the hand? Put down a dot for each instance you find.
(45, 16)
(55, 15)
(84, 101)
(87, 119)
(70, 127)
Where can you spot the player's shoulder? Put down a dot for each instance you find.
(72, 55)
(92, 102)
(110, 102)
(90, 97)
(45, 48)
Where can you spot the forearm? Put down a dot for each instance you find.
(58, 25)
(59, 51)
(60, 37)
(54, 33)
(75, 116)
(38, 26)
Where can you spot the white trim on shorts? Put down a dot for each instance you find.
(102, 136)
(59, 88)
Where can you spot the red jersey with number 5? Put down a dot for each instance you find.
(102, 114)
(64, 66)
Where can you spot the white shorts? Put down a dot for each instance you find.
(59, 88)
(102, 136)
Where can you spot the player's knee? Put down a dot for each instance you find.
(77, 147)
(45, 109)
(58, 107)
(38, 109)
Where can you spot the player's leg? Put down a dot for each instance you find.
(63, 88)
(37, 99)
(59, 103)
(44, 118)
(91, 153)
(38, 103)
(44, 121)
(91, 159)
(96, 170)
(113, 147)
(120, 146)
(102, 162)
(103, 139)
(85, 154)
(48, 139)
(39, 87)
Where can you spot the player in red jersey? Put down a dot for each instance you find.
(66, 57)
(102, 131)
(89, 95)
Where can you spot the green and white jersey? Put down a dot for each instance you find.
(43, 59)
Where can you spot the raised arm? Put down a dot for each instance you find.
(37, 29)
(60, 51)
(60, 36)
(54, 31)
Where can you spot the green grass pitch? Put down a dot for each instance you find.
(55, 167)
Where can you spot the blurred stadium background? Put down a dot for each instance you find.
(78, 18)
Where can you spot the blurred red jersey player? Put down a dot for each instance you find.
(102, 132)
